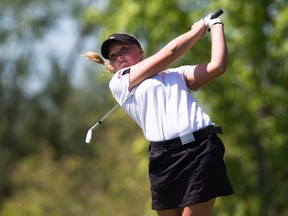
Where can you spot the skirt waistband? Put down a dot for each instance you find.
(186, 139)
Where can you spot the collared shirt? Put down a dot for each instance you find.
(163, 106)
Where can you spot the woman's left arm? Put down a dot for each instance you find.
(201, 74)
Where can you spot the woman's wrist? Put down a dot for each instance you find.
(216, 24)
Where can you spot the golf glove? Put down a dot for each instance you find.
(210, 22)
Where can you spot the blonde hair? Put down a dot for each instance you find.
(98, 59)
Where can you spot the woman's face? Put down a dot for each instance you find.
(122, 55)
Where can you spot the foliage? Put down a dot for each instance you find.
(50, 96)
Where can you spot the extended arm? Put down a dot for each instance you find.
(167, 55)
(202, 74)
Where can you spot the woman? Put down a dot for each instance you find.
(186, 167)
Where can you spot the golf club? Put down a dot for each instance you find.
(216, 13)
(89, 133)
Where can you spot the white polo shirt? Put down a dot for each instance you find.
(162, 105)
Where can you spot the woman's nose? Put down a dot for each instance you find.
(119, 58)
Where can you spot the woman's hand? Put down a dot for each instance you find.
(201, 26)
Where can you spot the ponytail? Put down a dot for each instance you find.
(98, 59)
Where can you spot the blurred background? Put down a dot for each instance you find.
(50, 96)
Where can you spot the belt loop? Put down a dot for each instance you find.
(166, 146)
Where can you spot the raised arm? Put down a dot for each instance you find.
(202, 74)
(167, 55)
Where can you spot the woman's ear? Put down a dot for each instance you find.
(141, 54)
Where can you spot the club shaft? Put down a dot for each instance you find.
(108, 113)
(216, 14)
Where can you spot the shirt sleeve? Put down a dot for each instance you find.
(119, 86)
(182, 69)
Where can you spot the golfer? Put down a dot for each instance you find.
(186, 167)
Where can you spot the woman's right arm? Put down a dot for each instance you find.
(167, 55)
(201, 74)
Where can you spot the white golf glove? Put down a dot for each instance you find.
(210, 22)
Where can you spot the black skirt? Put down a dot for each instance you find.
(189, 174)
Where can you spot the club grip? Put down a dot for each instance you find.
(216, 13)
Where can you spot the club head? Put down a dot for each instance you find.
(88, 136)
(89, 133)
